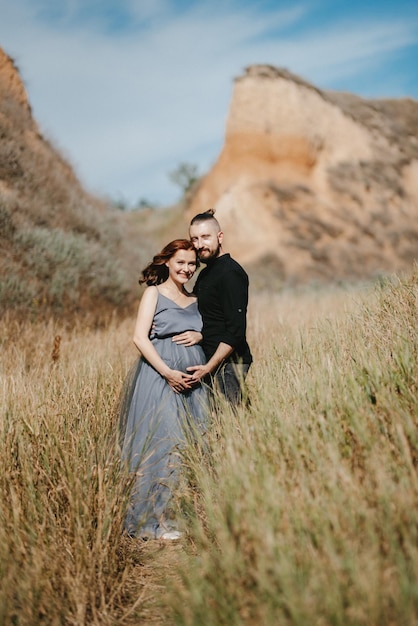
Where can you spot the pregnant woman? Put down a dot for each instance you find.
(160, 403)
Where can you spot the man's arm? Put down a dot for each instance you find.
(234, 301)
(200, 371)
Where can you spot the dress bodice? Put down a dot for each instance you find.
(171, 319)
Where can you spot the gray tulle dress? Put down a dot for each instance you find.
(155, 421)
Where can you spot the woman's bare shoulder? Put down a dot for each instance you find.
(149, 296)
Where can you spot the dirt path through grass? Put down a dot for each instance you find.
(153, 572)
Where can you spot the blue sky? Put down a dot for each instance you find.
(128, 89)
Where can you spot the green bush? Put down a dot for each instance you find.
(60, 267)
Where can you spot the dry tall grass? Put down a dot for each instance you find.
(303, 509)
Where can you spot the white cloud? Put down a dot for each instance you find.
(129, 106)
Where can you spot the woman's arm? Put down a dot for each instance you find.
(177, 380)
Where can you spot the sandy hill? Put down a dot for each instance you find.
(309, 185)
(313, 184)
(62, 250)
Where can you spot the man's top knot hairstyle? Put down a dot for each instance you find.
(204, 217)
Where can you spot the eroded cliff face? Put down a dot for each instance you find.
(11, 83)
(60, 246)
(320, 185)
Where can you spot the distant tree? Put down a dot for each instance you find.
(185, 176)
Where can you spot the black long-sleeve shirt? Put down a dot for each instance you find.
(222, 296)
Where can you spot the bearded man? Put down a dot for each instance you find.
(222, 296)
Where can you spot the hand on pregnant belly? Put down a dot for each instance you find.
(179, 381)
(188, 338)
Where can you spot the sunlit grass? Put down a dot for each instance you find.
(302, 509)
(309, 508)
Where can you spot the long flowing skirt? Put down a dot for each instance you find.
(155, 422)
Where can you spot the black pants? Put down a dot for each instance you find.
(229, 379)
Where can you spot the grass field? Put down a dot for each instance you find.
(302, 510)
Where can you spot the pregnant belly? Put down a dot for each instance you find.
(179, 357)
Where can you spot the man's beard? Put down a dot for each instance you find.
(213, 255)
